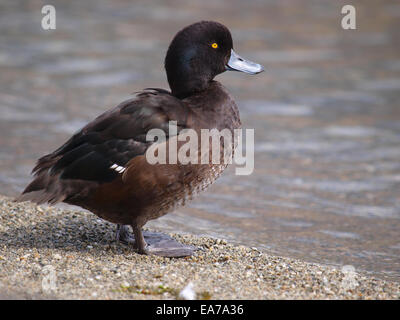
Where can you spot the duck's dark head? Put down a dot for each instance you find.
(198, 53)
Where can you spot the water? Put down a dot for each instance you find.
(326, 186)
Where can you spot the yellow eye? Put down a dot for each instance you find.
(214, 45)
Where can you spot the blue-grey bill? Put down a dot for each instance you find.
(237, 63)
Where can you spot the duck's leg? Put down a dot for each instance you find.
(122, 234)
(140, 244)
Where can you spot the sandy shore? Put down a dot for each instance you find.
(53, 253)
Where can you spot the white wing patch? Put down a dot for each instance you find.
(118, 168)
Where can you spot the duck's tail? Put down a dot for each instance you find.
(43, 188)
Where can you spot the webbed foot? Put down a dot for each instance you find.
(163, 245)
(156, 243)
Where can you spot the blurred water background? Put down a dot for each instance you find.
(326, 113)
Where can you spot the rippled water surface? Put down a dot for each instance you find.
(326, 114)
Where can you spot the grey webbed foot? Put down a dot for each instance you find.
(156, 243)
(163, 245)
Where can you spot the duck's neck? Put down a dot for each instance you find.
(185, 74)
(187, 86)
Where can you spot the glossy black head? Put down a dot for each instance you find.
(197, 54)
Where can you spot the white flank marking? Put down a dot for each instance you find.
(118, 168)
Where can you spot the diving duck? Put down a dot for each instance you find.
(103, 167)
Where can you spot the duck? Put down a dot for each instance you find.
(103, 167)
